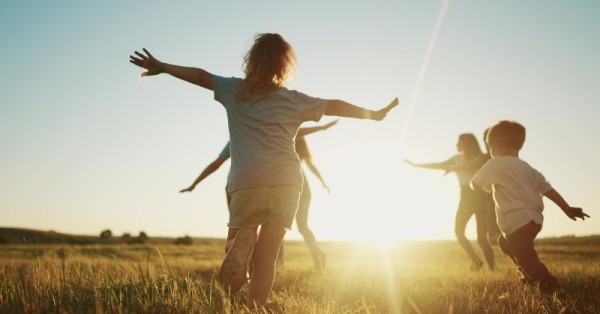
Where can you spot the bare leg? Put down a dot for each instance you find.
(302, 221)
(263, 260)
(462, 218)
(482, 228)
(464, 213)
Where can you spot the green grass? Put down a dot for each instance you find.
(428, 277)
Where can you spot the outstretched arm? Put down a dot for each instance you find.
(316, 172)
(341, 108)
(305, 131)
(195, 76)
(446, 165)
(571, 212)
(205, 173)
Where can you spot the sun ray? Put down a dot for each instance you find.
(436, 29)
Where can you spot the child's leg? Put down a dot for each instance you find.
(463, 214)
(302, 220)
(239, 248)
(506, 249)
(302, 223)
(263, 260)
(521, 244)
(481, 218)
(281, 254)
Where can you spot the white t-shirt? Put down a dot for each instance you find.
(464, 176)
(517, 188)
(262, 132)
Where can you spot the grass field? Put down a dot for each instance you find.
(414, 277)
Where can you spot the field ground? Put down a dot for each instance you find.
(412, 277)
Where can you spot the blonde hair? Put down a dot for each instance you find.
(267, 65)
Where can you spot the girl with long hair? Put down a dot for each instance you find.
(471, 202)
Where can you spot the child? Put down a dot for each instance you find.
(471, 202)
(518, 190)
(265, 179)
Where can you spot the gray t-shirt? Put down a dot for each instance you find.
(262, 132)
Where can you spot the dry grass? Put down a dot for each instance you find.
(428, 277)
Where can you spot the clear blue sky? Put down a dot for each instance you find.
(87, 145)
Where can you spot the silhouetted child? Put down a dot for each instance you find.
(265, 180)
(464, 164)
(518, 190)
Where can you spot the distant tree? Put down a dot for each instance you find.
(126, 235)
(106, 234)
(186, 240)
(140, 239)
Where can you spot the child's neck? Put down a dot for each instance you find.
(509, 154)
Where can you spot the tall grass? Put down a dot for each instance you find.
(428, 277)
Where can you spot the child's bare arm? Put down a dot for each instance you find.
(205, 173)
(446, 165)
(316, 172)
(341, 108)
(571, 212)
(306, 131)
(195, 76)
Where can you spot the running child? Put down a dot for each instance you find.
(518, 190)
(266, 180)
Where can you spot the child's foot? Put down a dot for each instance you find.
(476, 264)
(235, 264)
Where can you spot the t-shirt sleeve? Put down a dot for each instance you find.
(484, 177)
(226, 152)
(224, 89)
(543, 186)
(312, 108)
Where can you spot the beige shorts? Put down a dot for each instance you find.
(255, 206)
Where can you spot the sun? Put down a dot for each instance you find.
(376, 198)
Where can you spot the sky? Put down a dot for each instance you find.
(88, 145)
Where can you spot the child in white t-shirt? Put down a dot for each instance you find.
(518, 190)
(265, 179)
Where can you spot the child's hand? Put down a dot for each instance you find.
(575, 212)
(330, 124)
(149, 63)
(380, 114)
(189, 189)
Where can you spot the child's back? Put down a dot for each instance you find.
(518, 189)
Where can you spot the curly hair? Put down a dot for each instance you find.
(267, 65)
